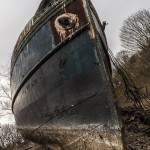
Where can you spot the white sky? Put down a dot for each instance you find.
(14, 14)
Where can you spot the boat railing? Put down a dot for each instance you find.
(27, 28)
(34, 21)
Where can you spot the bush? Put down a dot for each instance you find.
(9, 136)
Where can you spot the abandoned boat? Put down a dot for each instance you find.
(61, 79)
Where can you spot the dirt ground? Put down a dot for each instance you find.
(136, 128)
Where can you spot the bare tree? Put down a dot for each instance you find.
(123, 56)
(5, 96)
(135, 33)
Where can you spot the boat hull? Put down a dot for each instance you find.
(66, 97)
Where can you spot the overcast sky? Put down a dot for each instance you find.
(14, 14)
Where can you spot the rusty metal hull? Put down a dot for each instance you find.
(61, 84)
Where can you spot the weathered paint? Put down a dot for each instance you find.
(64, 86)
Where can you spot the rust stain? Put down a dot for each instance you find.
(66, 24)
(75, 10)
